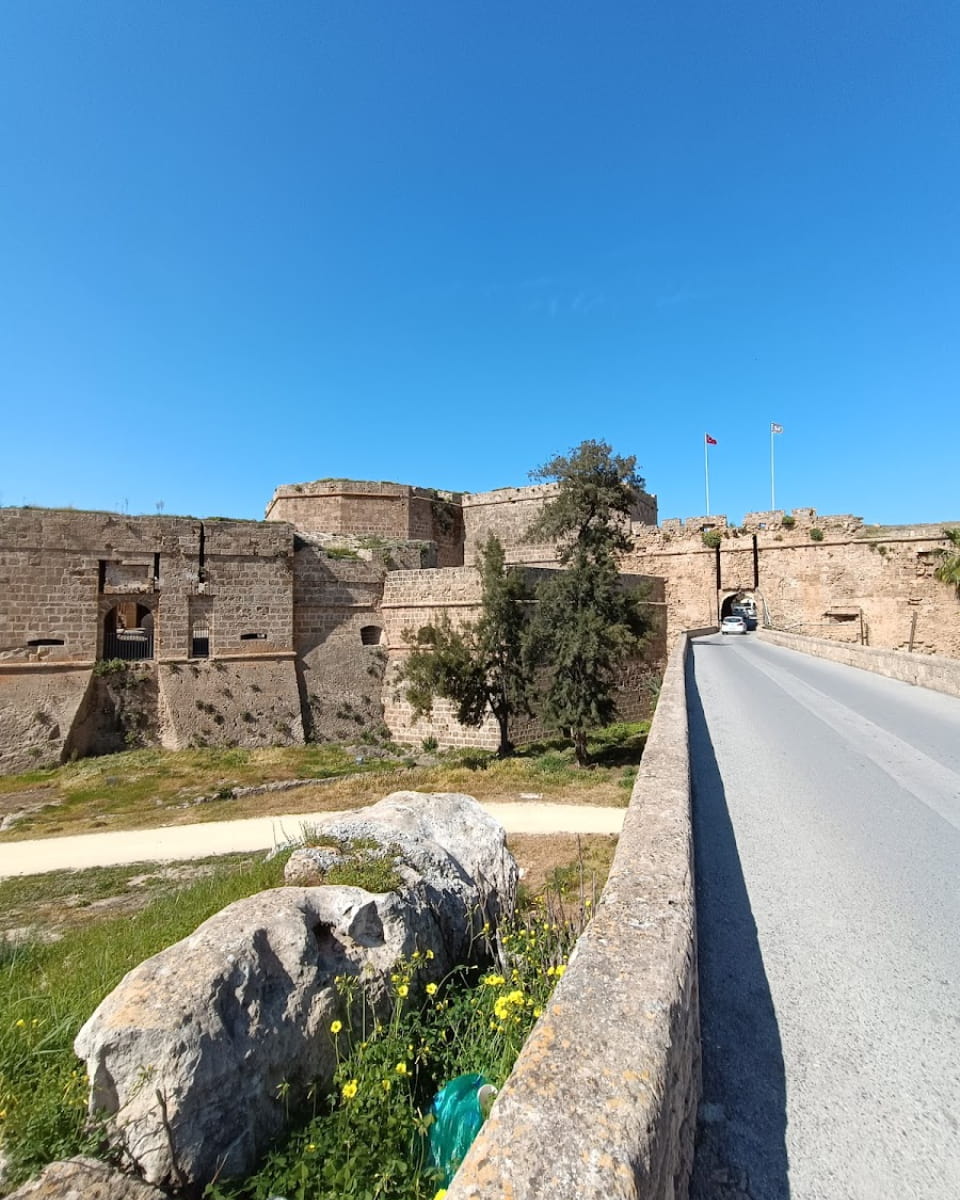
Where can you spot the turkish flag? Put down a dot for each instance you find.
(710, 441)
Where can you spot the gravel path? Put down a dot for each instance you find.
(827, 818)
(181, 842)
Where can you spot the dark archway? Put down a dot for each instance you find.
(128, 631)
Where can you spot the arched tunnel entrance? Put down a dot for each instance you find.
(740, 604)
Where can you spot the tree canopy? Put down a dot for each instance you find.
(587, 622)
(597, 490)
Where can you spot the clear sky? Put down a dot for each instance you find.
(245, 243)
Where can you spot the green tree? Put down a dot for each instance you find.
(479, 666)
(587, 622)
(949, 569)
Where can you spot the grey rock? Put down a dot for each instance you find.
(199, 1053)
(84, 1179)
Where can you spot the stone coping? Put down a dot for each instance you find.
(933, 671)
(602, 1101)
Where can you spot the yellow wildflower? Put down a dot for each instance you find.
(349, 1090)
(401, 1068)
(402, 990)
(431, 989)
(311, 1147)
(551, 971)
(560, 970)
(441, 1194)
(336, 1026)
(386, 1084)
(20, 1024)
(494, 980)
(538, 1011)
(515, 997)
(428, 954)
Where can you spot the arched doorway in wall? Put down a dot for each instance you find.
(128, 631)
(742, 604)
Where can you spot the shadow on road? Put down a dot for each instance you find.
(741, 1147)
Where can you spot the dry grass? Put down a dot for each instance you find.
(145, 789)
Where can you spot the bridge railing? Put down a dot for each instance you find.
(602, 1101)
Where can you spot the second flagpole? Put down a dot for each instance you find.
(706, 469)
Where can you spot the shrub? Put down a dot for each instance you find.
(816, 535)
(369, 1136)
(712, 538)
(788, 521)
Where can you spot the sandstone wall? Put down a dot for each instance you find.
(61, 572)
(922, 670)
(602, 1101)
(339, 637)
(857, 583)
(230, 702)
(374, 511)
(38, 707)
(508, 513)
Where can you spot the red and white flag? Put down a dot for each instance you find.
(709, 440)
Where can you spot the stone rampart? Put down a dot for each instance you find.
(38, 707)
(69, 579)
(252, 701)
(508, 514)
(339, 636)
(602, 1101)
(923, 670)
(851, 583)
(374, 511)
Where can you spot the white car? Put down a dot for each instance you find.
(733, 625)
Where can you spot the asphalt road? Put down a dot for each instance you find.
(827, 824)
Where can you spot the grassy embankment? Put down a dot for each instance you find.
(119, 916)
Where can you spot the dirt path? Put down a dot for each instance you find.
(183, 842)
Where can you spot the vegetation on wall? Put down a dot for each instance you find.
(948, 569)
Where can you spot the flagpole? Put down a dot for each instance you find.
(706, 470)
(773, 501)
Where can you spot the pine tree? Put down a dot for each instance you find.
(587, 622)
(479, 666)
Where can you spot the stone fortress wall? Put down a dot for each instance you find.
(266, 632)
(820, 575)
(508, 513)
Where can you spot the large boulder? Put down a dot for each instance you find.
(198, 1054)
(84, 1179)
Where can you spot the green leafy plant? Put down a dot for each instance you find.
(368, 1136)
(712, 539)
(788, 521)
(948, 569)
(816, 535)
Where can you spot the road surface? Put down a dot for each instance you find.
(827, 825)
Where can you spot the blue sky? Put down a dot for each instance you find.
(248, 243)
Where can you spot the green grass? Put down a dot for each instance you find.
(48, 991)
(144, 788)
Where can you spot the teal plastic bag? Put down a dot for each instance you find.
(458, 1110)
